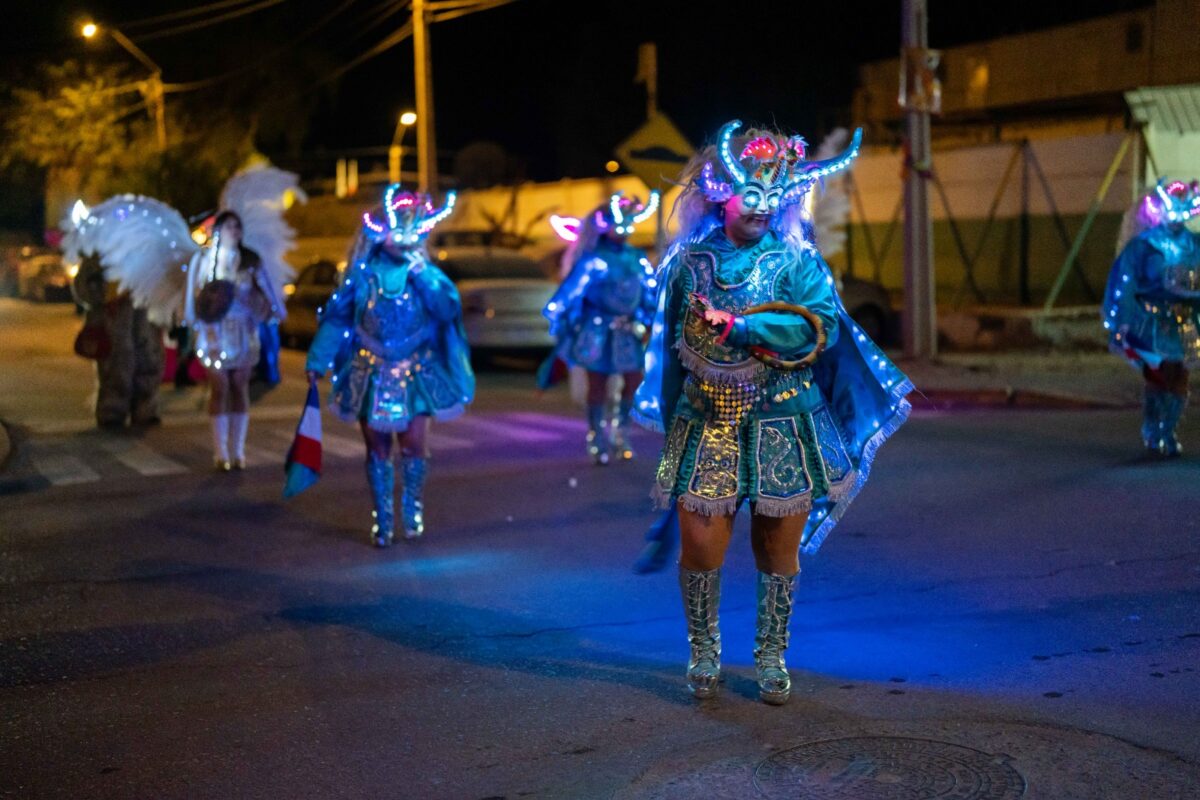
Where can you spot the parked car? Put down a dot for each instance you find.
(44, 278)
(870, 306)
(503, 293)
(304, 298)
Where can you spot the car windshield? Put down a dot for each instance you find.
(462, 268)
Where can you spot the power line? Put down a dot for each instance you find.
(204, 23)
(204, 83)
(184, 14)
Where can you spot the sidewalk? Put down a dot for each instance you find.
(1044, 379)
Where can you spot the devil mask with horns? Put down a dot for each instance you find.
(408, 217)
(779, 175)
(620, 216)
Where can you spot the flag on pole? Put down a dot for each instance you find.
(303, 465)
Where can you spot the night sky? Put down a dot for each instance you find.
(552, 82)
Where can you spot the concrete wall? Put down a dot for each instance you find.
(1074, 168)
(1083, 61)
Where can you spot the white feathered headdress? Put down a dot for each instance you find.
(832, 208)
(144, 245)
(260, 195)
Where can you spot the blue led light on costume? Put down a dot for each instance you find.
(727, 160)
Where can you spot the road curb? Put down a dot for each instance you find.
(1009, 397)
(6, 448)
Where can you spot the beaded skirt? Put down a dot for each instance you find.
(765, 442)
(388, 394)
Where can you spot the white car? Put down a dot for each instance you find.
(503, 293)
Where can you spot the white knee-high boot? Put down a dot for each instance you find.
(238, 424)
(220, 434)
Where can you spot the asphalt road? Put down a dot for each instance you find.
(1009, 610)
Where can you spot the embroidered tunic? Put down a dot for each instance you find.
(392, 333)
(737, 430)
(600, 313)
(1152, 302)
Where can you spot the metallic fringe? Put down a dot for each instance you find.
(750, 370)
(399, 426)
(903, 407)
(724, 507)
(776, 507)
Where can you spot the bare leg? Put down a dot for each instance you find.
(704, 540)
(776, 543)
(218, 391)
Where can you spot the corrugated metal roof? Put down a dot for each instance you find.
(1167, 108)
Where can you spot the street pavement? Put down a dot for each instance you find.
(1009, 610)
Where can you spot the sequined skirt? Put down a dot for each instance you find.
(1163, 332)
(611, 345)
(388, 393)
(231, 343)
(729, 443)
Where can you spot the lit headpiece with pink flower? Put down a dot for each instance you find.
(621, 215)
(408, 217)
(1172, 201)
(778, 175)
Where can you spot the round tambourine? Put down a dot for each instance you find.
(214, 300)
(790, 365)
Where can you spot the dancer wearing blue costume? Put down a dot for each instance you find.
(767, 391)
(1152, 306)
(392, 334)
(600, 314)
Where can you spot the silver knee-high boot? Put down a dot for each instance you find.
(775, 593)
(381, 477)
(597, 435)
(1161, 411)
(412, 503)
(621, 446)
(701, 601)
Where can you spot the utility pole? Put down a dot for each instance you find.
(920, 310)
(647, 74)
(423, 68)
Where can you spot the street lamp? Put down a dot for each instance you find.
(153, 88)
(406, 121)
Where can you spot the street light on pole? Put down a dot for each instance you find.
(153, 91)
(396, 151)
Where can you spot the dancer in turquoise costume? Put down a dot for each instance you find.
(1152, 305)
(392, 335)
(767, 391)
(601, 313)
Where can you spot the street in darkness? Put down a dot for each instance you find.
(1018, 583)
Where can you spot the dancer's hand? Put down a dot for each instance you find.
(313, 376)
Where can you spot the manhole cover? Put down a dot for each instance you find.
(887, 768)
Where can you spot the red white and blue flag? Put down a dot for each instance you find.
(303, 466)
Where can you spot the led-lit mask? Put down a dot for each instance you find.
(1172, 201)
(621, 215)
(408, 217)
(778, 177)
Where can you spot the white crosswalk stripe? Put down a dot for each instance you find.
(142, 458)
(64, 470)
(87, 458)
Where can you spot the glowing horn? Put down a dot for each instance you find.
(731, 165)
(431, 222)
(567, 228)
(648, 209)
